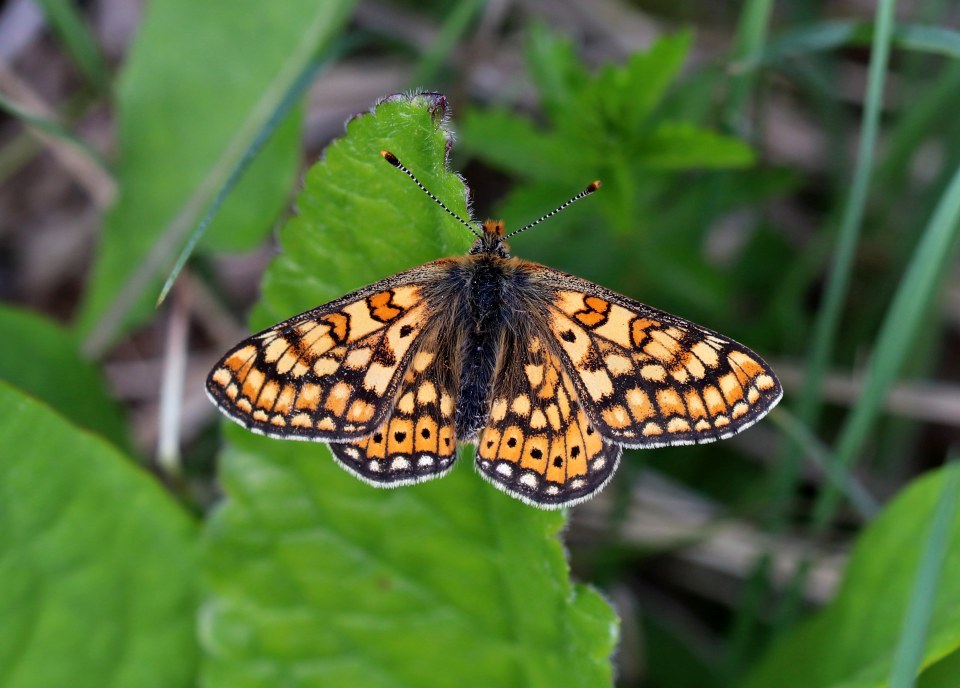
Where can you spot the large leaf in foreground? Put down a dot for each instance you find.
(201, 78)
(319, 579)
(43, 359)
(851, 643)
(97, 564)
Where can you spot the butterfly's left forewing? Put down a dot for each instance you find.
(648, 378)
(332, 373)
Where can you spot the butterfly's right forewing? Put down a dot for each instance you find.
(648, 378)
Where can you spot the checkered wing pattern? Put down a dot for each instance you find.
(332, 373)
(539, 445)
(417, 440)
(647, 378)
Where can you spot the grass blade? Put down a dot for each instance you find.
(830, 35)
(67, 23)
(838, 475)
(751, 35)
(899, 330)
(457, 23)
(908, 657)
(283, 108)
(54, 129)
(838, 282)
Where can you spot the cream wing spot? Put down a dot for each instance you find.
(361, 324)
(706, 353)
(406, 404)
(765, 382)
(598, 383)
(309, 396)
(534, 375)
(222, 377)
(421, 360)
(618, 364)
(521, 405)
(357, 358)
(617, 327)
(378, 378)
(275, 350)
(324, 366)
(426, 393)
(538, 421)
(654, 373)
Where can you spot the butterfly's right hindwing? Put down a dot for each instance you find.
(417, 440)
(538, 444)
(332, 373)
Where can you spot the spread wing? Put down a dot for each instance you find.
(330, 374)
(417, 440)
(538, 444)
(647, 378)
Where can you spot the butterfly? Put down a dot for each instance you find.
(549, 374)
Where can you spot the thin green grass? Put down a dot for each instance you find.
(918, 288)
(837, 473)
(828, 318)
(287, 102)
(55, 129)
(457, 23)
(67, 23)
(751, 35)
(830, 35)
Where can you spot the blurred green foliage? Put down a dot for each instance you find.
(312, 578)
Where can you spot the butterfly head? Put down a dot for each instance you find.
(492, 240)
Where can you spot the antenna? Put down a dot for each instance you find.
(393, 160)
(593, 186)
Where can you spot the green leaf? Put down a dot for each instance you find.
(678, 146)
(851, 643)
(555, 68)
(513, 144)
(317, 578)
(913, 639)
(98, 565)
(188, 107)
(613, 125)
(632, 92)
(942, 674)
(43, 359)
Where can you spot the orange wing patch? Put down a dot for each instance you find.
(327, 374)
(417, 440)
(647, 378)
(538, 444)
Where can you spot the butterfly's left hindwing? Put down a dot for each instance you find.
(332, 373)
